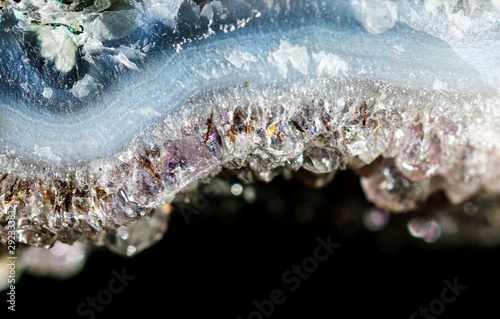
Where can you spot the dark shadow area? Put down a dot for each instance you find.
(233, 254)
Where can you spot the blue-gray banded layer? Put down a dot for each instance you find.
(199, 50)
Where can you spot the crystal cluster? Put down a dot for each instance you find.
(330, 86)
(405, 145)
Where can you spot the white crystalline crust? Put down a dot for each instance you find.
(471, 28)
(377, 16)
(93, 26)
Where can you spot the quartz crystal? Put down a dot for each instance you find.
(112, 109)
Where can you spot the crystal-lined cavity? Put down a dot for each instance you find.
(111, 108)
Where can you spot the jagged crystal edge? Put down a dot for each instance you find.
(432, 139)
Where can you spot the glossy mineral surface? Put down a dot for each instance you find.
(110, 109)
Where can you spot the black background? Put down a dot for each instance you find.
(226, 258)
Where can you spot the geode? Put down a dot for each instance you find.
(111, 108)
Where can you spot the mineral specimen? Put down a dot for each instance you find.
(109, 109)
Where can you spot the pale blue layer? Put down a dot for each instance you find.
(400, 56)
